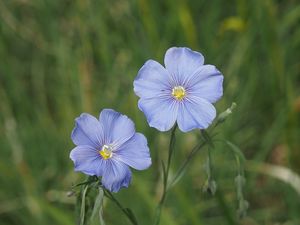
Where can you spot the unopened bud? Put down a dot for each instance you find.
(210, 186)
(222, 117)
(71, 193)
(242, 210)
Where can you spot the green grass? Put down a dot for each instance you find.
(61, 58)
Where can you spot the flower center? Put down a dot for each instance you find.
(106, 152)
(178, 92)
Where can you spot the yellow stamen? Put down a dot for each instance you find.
(178, 92)
(106, 152)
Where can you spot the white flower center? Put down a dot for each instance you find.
(178, 92)
(106, 152)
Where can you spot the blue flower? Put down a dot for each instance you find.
(107, 147)
(183, 91)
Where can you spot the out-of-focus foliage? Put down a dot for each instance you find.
(61, 57)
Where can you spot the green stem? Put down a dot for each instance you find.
(182, 168)
(166, 176)
(193, 152)
(171, 151)
(126, 211)
(209, 163)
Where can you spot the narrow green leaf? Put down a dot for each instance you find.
(98, 208)
(82, 211)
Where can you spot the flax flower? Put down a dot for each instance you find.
(183, 91)
(108, 147)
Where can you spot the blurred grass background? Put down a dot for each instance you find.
(61, 58)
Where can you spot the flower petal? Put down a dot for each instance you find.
(87, 131)
(182, 63)
(86, 159)
(135, 152)
(161, 112)
(152, 80)
(195, 113)
(116, 175)
(117, 128)
(206, 83)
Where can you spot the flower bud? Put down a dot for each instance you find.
(222, 116)
(210, 186)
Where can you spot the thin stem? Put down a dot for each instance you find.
(126, 211)
(209, 163)
(183, 166)
(210, 185)
(188, 159)
(167, 185)
(171, 151)
(166, 176)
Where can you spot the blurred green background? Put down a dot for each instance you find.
(62, 58)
